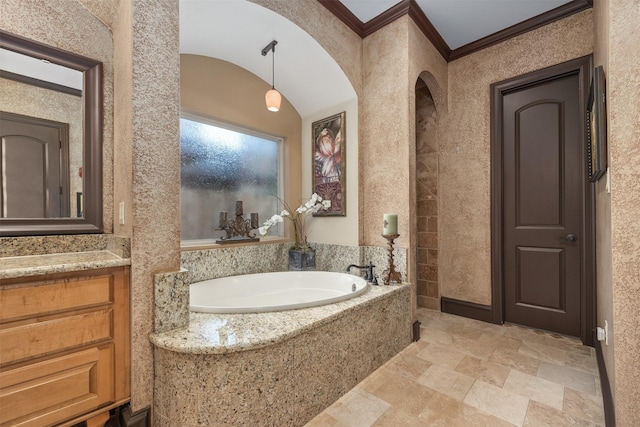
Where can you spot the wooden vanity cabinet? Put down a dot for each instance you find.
(64, 346)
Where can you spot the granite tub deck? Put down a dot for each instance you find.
(275, 369)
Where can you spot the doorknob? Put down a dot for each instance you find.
(571, 238)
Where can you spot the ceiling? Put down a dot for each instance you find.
(308, 77)
(461, 22)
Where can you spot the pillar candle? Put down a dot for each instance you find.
(223, 220)
(254, 220)
(239, 208)
(390, 224)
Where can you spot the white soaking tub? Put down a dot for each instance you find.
(264, 292)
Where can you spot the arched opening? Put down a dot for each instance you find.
(428, 289)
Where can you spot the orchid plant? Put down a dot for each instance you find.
(313, 205)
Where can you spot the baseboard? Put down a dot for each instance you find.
(466, 309)
(607, 397)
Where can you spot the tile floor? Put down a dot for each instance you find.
(464, 372)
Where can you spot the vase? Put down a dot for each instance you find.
(302, 260)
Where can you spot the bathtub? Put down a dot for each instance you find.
(265, 292)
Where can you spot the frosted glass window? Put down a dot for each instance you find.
(220, 166)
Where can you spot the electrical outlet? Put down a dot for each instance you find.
(121, 215)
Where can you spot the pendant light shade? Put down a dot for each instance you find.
(273, 100)
(272, 97)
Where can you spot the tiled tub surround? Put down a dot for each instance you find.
(275, 369)
(279, 368)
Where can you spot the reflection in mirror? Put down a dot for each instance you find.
(51, 136)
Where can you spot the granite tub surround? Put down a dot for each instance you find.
(280, 368)
(171, 290)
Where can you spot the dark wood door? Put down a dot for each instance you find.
(542, 205)
(34, 167)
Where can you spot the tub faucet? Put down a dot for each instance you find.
(369, 276)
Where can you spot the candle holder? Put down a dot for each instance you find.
(390, 275)
(238, 229)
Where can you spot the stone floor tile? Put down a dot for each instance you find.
(497, 422)
(402, 393)
(535, 388)
(582, 362)
(584, 405)
(500, 341)
(568, 377)
(409, 365)
(443, 410)
(498, 402)
(543, 352)
(446, 381)
(436, 336)
(325, 420)
(541, 415)
(358, 408)
(488, 372)
(396, 417)
(444, 355)
(514, 360)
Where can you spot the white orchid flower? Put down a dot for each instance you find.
(326, 204)
(263, 230)
(276, 218)
(285, 213)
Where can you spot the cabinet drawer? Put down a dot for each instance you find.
(45, 393)
(49, 336)
(39, 300)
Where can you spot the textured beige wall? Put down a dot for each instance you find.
(147, 105)
(219, 90)
(384, 133)
(624, 145)
(84, 35)
(464, 210)
(604, 290)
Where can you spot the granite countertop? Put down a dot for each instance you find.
(209, 333)
(38, 265)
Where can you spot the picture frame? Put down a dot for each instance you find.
(329, 163)
(597, 126)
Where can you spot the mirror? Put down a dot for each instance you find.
(49, 187)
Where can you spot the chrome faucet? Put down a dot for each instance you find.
(369, 276)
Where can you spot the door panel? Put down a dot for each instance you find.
(32, 168)
(542, 174)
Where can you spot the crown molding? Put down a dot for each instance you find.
(541, 20)
(411, 8)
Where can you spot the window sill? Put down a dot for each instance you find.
(194, 245)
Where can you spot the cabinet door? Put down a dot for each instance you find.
(46, 392)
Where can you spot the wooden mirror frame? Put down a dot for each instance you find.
(91, 222)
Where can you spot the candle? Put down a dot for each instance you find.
(239, 208)
(390, 224)
(223, 219)
(254, 220)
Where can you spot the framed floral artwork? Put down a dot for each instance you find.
(329, 163)
(597, 126)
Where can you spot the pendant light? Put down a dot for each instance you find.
(272, 97)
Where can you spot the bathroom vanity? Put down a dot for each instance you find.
(64, 338)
